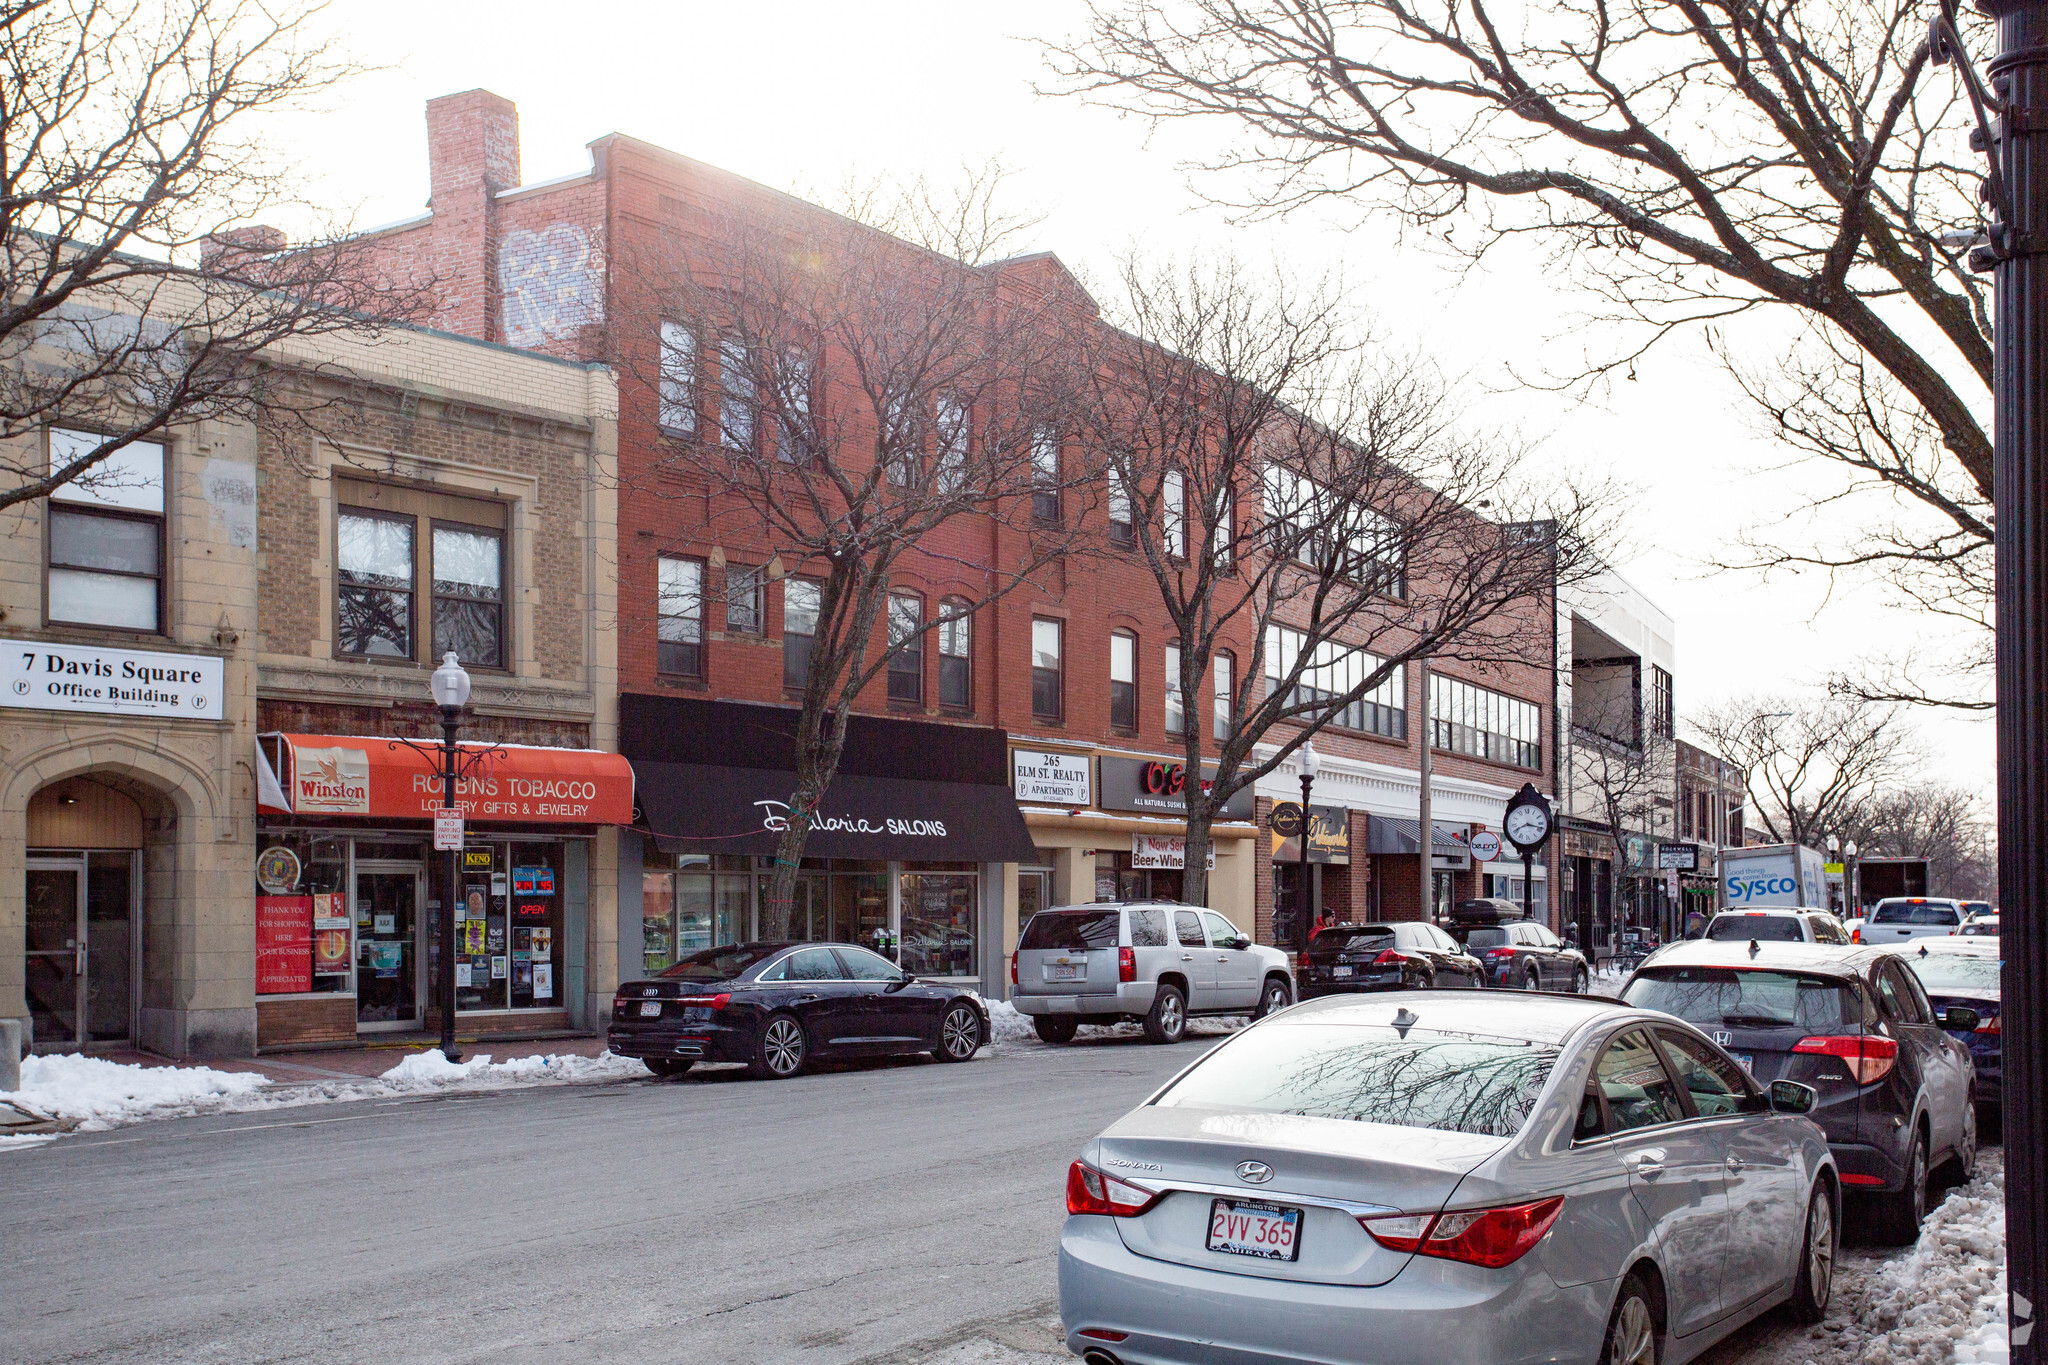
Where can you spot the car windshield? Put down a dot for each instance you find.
(1912, 912)
(1764, 928)
(1485, 938)
(1956, 973)
(1332, 941)
(1721, 997)
(719, 964)
(1464, 1083)
(1071, 931)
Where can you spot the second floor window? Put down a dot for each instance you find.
(956, 673)
(374, 583)
(1047, 649)
(1467, 719)
(1226, 667)
(679, 621)
(107, 536)
(952, 424)
(1173, 514)
(1123, 680)
(800, 601)
(906, 665)
(1045, 475)
(1662, 716)
(736, 397)
(678, 379)
(398, 551)
(469, 594)
(1120, 529)
(743, 592)
(1331, 674)
(1176, 704)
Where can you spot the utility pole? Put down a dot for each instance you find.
(1425, 832)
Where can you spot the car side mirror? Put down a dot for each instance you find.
(1240, 943)
(900, 982)
(1958, 1019)
(1790, 1097)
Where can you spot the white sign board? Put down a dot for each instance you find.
(447, 828)
(42, 676)
(1164, 852)
(1056, 779)
(1485, 846)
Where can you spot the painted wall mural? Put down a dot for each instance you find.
(549, 283)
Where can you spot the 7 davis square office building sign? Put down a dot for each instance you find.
(41, 676)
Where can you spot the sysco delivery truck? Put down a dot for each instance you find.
(1773, 875)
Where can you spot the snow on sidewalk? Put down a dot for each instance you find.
(1013, 1028)
(94, 1094)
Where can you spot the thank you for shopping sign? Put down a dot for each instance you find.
(42, 676)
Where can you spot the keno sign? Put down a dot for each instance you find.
(40, 676)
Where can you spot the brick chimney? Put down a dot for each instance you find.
(472, 153)
(255, 240)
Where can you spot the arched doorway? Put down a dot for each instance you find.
(82, 973)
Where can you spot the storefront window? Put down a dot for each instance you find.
(510, 944)
(657, 921)
(539, 939)
(303, 940)
(939, 918)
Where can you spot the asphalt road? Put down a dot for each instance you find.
(904, 1212)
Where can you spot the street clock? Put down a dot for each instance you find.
(1527, 822)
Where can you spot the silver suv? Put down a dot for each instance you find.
(1156, 963)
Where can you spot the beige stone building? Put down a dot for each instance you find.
(212, 834)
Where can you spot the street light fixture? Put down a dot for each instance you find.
(451, 694)
(1849, 898)
(1307, 761)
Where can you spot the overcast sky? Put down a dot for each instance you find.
(801, 95)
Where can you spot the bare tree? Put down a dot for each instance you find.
(129, 301)
(1688, 162)
(1310, 515)
(864, 409)
(1942, 823)
(1813, 766)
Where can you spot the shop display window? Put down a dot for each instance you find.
(304, 944)
(939, 918)
(510, 945)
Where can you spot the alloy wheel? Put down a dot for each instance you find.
(1820, 1249)
(960, 1033)
(1171, 1020)
(784, 1046)
(1635, 1336)
(1276, 996)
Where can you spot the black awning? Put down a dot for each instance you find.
(717, 809)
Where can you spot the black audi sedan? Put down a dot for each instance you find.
(1384, 957)
(778, 1007)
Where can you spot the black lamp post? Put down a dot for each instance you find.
(1308, 761)
(451, 694)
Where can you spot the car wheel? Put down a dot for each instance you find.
(1966, 1150)
(1054, 1028)
(959, 1035)
(1167, 1020)
(781, 1050)
(1632, 1328)
(1275, 997)
(1581, 982)
(1532, 980)
(1816, 1280)
(669, 1066)
(1900, 1215)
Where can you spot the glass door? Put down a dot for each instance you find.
(56, 941)
(110, 941)
(386, 909)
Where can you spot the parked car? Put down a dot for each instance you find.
(1974, 910)
(1406, 1177)
(1777, 926)
(1984, 926)
(1897, 1094)
(1377, 957)
(1901, 919)
(1156, 963)
(778, 1007)
(1966, 971)
(1516, 951)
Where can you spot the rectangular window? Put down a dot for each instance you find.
(736, 397)
(956, 672)
(1226, 666)
(1120, 529)
(1173, 514)
(743, 593)
(952, 435)
(1224, 543)
(1310, 524)
(469, 594)
(902, 441)
(1176, 704)
(1123, 680)
(1045, 475)
(1468, 719)
(107, 536)
(374, 588)
(800, 601)
(1662, 716)
(906, 665)
(678, 379)
(1331, 673)
(794, 433)
(679, 623)
(1047, 650)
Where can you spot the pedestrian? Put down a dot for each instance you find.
(1695, 924)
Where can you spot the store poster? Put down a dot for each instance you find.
(473, 903)
(496, 940)
(497, 969)
(330, 951)
(386, 958)
(473, 937)
(543, 980)
(522, 974)
(329, 910)
(386, 924)
(284, 944)
(533, 881)
(543, 942)
(462, 975)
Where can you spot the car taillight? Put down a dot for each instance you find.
(1126, 964)
(1500, 952)
(1989, 1026)
(1856, 934)
(1867, 1056)
(709, 1002)
(1486, 1237)
(1387, 959)
(1090, 1191)
(1013, 969)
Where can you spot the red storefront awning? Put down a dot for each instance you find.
(363, 775)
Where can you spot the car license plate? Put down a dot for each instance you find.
(650, 1009)
(1268, 1231)
(1340, 971)
(1070, 971)
(1746, 1060)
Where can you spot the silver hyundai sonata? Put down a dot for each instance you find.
(1428, 1178)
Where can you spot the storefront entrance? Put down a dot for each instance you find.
(81, 934)
(388, 896)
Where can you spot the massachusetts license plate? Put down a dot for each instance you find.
(1070, 971)
(650, 1009)
(1340, 971)
(1748, 1062)
(1269, 1231)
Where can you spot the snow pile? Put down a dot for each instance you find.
(1945, 1299)
(98, 1094)
(1013, 1027)
(431, 1070)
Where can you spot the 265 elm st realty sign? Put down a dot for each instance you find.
(42, 676)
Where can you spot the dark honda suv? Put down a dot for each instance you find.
(1384, 957)
(1515, 951)
(1896, 1092)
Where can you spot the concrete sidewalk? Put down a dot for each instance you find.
(367, 1060)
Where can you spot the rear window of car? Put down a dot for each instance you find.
(1333, 941)
(718, 964)
(1742, 997)
(1457, 1082)
(1945, 974)
(1983, 928)
(1763, 928)
(1073, 931)
(1914, 912)
(1485, 938)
